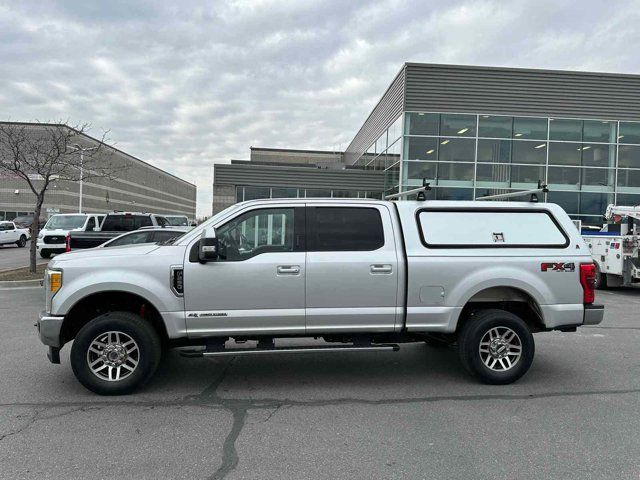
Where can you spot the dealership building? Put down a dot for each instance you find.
(134, 186)
(470, 132)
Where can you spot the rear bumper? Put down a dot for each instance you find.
(593, 314)
(49, 328)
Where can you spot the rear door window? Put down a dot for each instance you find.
(341, 229)
(125, 223)
(490, 228)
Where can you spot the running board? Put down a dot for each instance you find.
(309, 349)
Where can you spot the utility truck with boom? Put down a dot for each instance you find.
(616, 247)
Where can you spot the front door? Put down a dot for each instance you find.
(352, 269)
(257, 283)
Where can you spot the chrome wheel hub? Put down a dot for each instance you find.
(500, 349)
(113, 356)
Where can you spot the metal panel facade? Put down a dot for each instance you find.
(388, 109)
(514, 91)
(274, 176)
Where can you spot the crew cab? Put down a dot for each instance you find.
(362, 275)
(114, 225)
(53, 237)
(10, 233)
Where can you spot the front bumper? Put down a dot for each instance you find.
(49, 328)
(593, 314)
(52, 247)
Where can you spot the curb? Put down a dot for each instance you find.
(11, 284)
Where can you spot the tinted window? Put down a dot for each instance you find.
(91, 224)
(490, 228)
(344, 229)
(133, 238)
(166, 235)
(125, 223)
(256, 232)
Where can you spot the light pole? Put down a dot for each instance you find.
(80, 149)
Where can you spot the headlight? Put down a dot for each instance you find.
(40, 236)
(55, 281)
(52, 283)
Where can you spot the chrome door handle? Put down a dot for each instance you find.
(288, 270)
(381, 269)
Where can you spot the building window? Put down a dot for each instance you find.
(495, 126)
(599, 131)
(529, 152)
(530, 128)
(564, 176)
(565, 129)
(284, 192)
(422, 148)
(598, 155)
(628, 156)
(629, 132)
(256, 193)
(453, 125)
(422, 124)
(494, 151)
(317, 193)
(457, 150)
(564, 153)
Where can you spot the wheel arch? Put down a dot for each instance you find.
(504, 297)
(98, 303)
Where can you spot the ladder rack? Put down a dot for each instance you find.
(542, 188)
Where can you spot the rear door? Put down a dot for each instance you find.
(352, 269)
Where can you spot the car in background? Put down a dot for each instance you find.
(146, 235)
(53, 237)
(177, 220)
(11, 233)
(114, 225)
(25, 221)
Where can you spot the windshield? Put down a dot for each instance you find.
(177, 220)
(65, 222)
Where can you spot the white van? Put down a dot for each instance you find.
(52, 238)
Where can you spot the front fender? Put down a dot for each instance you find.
(153, 289)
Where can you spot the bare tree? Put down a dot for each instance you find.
(41, 153)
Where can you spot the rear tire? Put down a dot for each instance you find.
(115, 353)
(22, 242)
(496, 346)
(45, 253)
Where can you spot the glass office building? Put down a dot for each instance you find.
(480, 131)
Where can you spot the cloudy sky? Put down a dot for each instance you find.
(185, 84)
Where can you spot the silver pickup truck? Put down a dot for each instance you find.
(361, 275)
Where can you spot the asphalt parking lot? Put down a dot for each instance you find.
(411, 414)
(12, 256)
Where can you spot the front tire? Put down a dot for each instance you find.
(115, 353)
(22, 242)
(496, 346)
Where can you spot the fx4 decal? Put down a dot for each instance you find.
(557, 267)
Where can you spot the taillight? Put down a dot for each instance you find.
(588, 282)
(67, 243)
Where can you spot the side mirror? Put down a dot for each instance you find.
(208, 249)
